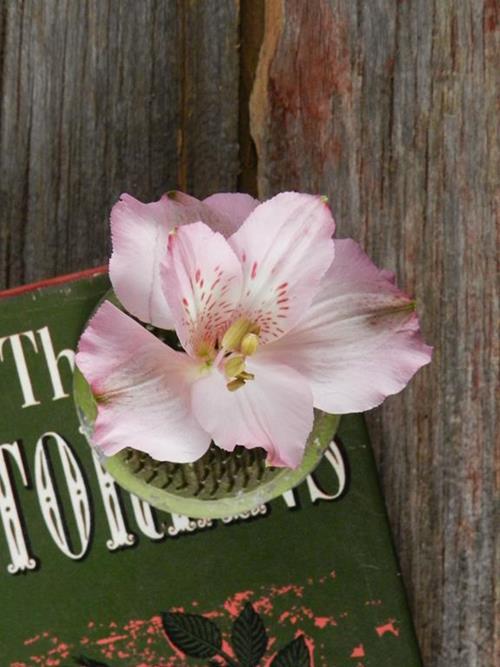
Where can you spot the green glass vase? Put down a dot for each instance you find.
(220, 484)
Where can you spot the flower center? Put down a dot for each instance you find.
(240, 341)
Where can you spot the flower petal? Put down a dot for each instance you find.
(223, 212)
(202, 285)
(139, 233)
(273, 411)
(233, 208)
(142, 388)
(359, 341)
(285, 247)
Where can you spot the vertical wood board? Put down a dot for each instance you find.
(389, 109)
(103, 97)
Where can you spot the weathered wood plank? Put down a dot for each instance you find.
(101, 97)
(389, 108)
(209, 147)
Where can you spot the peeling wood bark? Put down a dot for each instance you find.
(389, 108)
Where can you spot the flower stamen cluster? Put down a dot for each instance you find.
(240, 341)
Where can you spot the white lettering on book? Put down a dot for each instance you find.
(21, 365)
(334, 458)
(48, 499)
(21, 559)
(51, 358)
(120, 537)
(144, 517)
(290, 499)
(52, 447)
(53, 361)
(183, 524)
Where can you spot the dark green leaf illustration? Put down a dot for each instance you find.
(295, 654)
(198, 637)
(83, 661)
(249, 637)
(194, 635)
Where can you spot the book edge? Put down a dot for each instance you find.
(388, 526)
(57, 280)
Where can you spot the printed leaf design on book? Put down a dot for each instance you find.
(295, 654)
(192, 634)
(83, 661)
(198, 637)
(249, 637)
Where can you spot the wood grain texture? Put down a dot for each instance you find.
(209, 137)
(389, 108)
(99, 97)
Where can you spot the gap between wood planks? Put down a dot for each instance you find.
(252, 20)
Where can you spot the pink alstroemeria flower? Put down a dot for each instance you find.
(274, 316)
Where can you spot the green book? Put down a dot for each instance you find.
(92, 575)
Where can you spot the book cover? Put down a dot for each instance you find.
(91, 573)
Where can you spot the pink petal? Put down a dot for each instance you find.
(143, 389)
(359, 341)
(139, 233)
(274, 411)
(194, 210)
(202, 284)
(223, 212)
(285, 247)
(233, 208)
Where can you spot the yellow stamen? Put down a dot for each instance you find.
(235, 384)
(234, 366)
(205, 350)
(235, 334)
(241, 337)
(249, 344)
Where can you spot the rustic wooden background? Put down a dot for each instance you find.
(388, 107)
